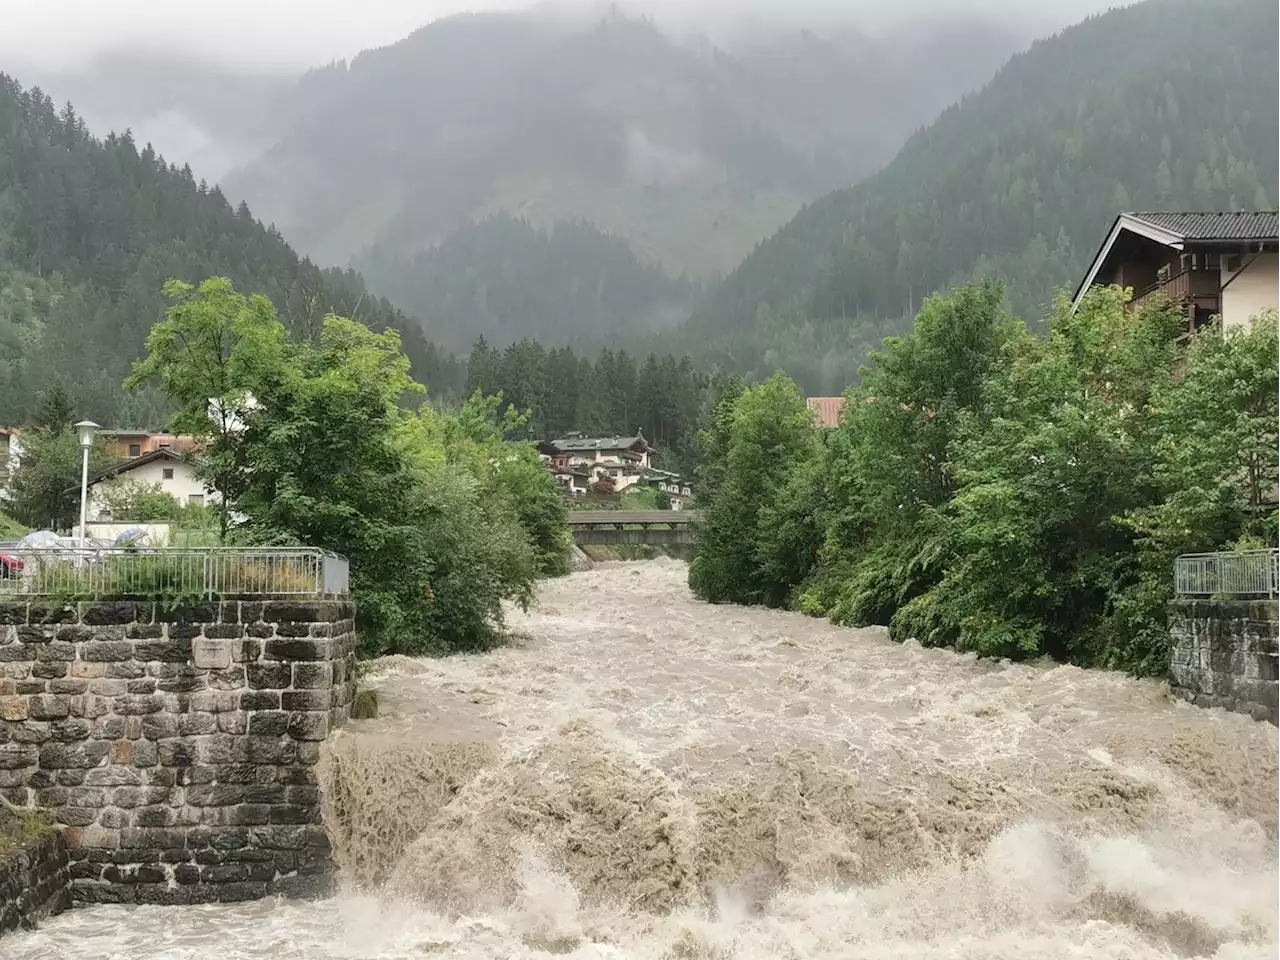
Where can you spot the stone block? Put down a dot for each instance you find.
(16, 653)
(293, 629)
(159, 726)
(214, 794)
(145, 631)
(229, 678)
(268, 676)
(296, 649)
(30, 687)
(188, 613)
(260, 700)
(108, 612)
(107, 651)
(49, 671)
(73, 686)
(13, 708)
(306, 700)
(30, 732)
(13, 613)
(137, 704)
(172, 650)
(309, 726)
(197, 724)
(179, 752)
(237, 722)
(246, 651)
(224, 631)
(211, 654)
(269, 723)
(129, 670)
(56, 650)
(49, 706)
(46, 612)
(77, 816)
(71, 729)
(312, 676)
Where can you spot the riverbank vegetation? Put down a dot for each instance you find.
(994, 491)
(325, 442)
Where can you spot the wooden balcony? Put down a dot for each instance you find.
(1202, 286)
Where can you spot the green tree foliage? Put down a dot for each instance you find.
(998, 492)
(441, 519)
(45, 488)
(212, 347)
(128, 500)
(771, 436)
(1019, 181)
(89, 231)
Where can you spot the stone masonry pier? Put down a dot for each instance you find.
(1223, 654)
(177, 747)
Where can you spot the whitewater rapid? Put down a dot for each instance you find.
(641, 775)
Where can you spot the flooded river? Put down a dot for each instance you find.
(646, 776)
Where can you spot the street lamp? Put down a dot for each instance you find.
(86, 429)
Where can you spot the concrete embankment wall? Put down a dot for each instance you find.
(176, 748)
(1224, 654)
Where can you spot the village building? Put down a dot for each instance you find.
(826, 410)
(1212, 264)
(172, 473)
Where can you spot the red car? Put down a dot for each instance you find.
(10, 566)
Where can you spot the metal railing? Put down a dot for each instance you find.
(1245, 573)
(209, 572)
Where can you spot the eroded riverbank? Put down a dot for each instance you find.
(647, 776)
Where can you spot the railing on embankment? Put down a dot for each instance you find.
(91, 573)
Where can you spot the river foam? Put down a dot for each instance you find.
(645, 776)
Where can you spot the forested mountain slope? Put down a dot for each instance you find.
(89, 231)
(506, 280)
(688, 152)
(1165, 105)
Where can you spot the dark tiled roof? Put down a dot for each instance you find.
(1216, 226)
(567, 444)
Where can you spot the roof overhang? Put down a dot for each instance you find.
(1124, 224)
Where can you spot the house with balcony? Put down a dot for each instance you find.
(1212, 264)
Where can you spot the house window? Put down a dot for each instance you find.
(167, 473)
(196, 499)
(135, 450)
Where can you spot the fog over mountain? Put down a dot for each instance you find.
(373, 134)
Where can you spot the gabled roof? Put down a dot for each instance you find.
(1243, 225)
(1177, 229)
(163, 453)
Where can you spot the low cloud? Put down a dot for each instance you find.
(289, 36)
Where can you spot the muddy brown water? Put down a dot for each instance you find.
(646, 776)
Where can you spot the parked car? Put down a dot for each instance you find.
(10, 566)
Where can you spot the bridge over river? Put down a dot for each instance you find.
(662, 528)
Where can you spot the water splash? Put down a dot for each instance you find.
(646, 776)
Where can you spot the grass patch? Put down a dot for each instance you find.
(20, 827)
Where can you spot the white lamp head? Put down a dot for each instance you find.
(86, 429)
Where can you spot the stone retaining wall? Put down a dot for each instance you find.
(34, 883)
(1224, 654)
(176, 746)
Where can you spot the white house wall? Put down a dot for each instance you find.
(1250, 289)
(182, 486)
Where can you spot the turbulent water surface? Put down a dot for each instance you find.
(646, 776)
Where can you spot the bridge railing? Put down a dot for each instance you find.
(209, 572)
(1242, 573)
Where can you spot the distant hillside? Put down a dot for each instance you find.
(1168, 104)
(689, 153)
(506, 280)
(89, 231)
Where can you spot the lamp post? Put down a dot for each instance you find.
(86, 429)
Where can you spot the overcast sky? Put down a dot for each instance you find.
(295, 34)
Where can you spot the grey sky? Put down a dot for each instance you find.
(295, 34)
